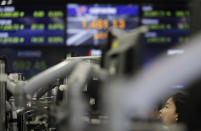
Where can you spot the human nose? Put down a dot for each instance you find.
(160, 111)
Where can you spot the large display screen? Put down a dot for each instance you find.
(168, 23)
(168, 26)
(31, 61)
(78, 28)
(29, 25)
(87, 25)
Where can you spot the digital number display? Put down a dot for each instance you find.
(32, 25)
(32, 61)
(168, 24)
(89, 24)
(104, 24)
(84, 26)
(27, 65)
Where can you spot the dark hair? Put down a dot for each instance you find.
(180, 101)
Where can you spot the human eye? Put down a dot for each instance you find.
(165, 106)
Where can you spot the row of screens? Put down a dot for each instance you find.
(87, 25)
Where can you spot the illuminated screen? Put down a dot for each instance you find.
(168, 23)
(31, 61)
(168, 26)
(87, 25)
(32, 25)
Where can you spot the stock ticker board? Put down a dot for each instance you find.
(31, 61)
(89, 24)
(31, 25)
(85, 25)
(168, 24)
